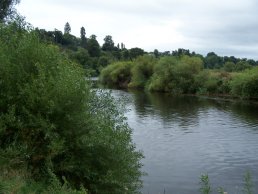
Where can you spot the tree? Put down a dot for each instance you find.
(67, 28)
(125, 54)
(93, 46)
(6, 8)
(83, 38)
(213, 61)
(229, 66)
(122, 46)
(108, 44)
(180, 52)
(53, 125)
(58, 36)
(135, 52)
(156, 53)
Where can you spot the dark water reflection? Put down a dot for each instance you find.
(184, 137)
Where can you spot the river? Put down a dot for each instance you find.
(184, 137)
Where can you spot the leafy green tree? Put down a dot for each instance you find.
(242, 65)
(176, 75)
(156, 53)
(122, 46)
(165, 53)
(67, 28)
(229, 66)
(83, 38)
(180, 52)
(125, 54)
(212, 60)
(108, 44)
(142, 70)
(82, 57)
(103, 61)
(135, 52)
(93, 46)
(117, 74)
(53, 123)
(6, 8)
(58, 36)
(70, 41)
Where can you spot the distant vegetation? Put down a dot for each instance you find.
(184, 74)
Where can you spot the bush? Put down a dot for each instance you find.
(54, 123)
(142, 70)
(245, 84)
(212, 82)
(117, 75)
(175, 75)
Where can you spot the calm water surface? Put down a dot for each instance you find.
(184, 137)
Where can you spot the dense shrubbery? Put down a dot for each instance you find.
(212, 82)
(245, 84)
(175, 75)
(53, 125)
(183, 75)
(142, 70)
(117, 74)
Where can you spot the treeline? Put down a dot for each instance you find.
(183, 75)
(87, 51)
(56, 134)
(94, 57)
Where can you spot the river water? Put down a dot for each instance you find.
(184, 137)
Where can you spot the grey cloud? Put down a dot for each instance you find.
(226, 27)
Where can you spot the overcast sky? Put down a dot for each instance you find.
(227, 27)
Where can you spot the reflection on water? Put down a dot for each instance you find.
(184, 137)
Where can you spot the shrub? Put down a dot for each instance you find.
(212, 82)
(117, 74)
(54, 123)
(142, 70)
(245, 84)
(175, 75)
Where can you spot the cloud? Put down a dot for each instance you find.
(227, 27)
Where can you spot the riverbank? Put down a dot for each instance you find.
(181, 76)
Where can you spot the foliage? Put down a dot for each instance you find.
(135, 52)
(183, 74)
(142, 70)
(52, 123)
(83, 37)
(212, 82)
(67, 28)
(117, 74)
(242, 65)
(6, 8)
(108, 44)
(93, 46)
(245, 84)
(205, 184)
(212, 61)
(229, 66)
(172, 74)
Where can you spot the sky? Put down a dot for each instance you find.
(226, 27)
